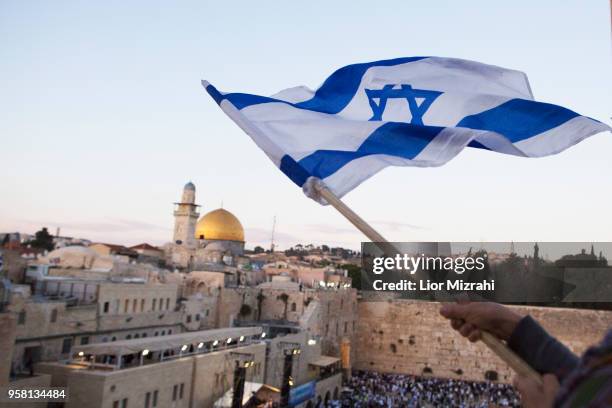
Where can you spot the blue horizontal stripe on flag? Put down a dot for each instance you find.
(403, 140)
(518, 119)
(333, 96)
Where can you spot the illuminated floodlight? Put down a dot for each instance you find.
(200, 345)
(145, 352)
(330, 284)
(322, 284)
(229, 340)
(241, 338)
(312, 342)
(263, 335)
(215, 343)
(184, 347)
(81, 354)
(291, 381)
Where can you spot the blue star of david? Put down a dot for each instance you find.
(417, 110)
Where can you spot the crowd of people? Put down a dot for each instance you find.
(371, 389)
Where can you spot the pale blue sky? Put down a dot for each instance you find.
(104, 119)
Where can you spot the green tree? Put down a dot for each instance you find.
(354, 272)
(43, 240)
(258, 250)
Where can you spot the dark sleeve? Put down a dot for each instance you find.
(540, 350)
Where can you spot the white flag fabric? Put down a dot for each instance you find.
(415, 111)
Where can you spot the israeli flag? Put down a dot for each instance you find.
(416, 111)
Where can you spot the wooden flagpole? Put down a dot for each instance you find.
(493, 343)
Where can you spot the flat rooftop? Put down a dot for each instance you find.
(174, 341)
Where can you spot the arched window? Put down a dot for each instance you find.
(293, 307)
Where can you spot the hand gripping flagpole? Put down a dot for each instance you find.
(493, 343)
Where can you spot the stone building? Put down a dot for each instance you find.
(65, 312)
(217, 238)
(182, 370)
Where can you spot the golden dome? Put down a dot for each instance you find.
(220, 225)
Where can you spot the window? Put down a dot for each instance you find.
(147, 400)
(134, 304)
(21, 318)
(188, 318)
(114, 338)
(124, 403)
(207, 313)
(174, 392)
(128, 337)
(142, 305)
(154, 304)
(155, 398)
(161, 303)
(156, 334)
(167, 303)
(84, 340)
(345, 327)
(66, 345)
(106, 307)
(115, 404)
(137, 336)
(54, 316)
(293, 307)
(170, 331)
(144, 334)
(126, 306)
(163, 333)
(197, 316)
(181, 390)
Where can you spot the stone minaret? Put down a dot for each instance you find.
(185, 217)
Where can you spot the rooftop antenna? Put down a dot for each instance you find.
(272, 237)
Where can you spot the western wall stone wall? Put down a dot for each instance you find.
(410, 337)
